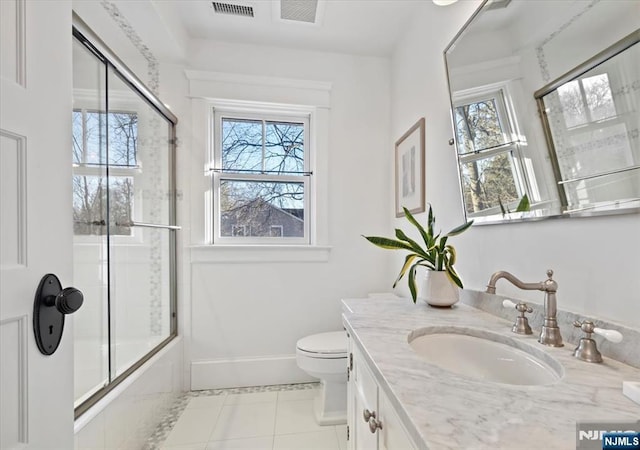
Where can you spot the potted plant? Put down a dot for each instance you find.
(441, 284)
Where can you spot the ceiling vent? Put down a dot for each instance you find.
(234, 10)
(299, 10)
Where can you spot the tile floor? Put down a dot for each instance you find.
(271, 418)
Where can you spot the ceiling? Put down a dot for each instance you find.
(363, 27)
(359, 27)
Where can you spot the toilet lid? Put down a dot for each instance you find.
(334, 342)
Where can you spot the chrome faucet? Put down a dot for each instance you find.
(550, 333)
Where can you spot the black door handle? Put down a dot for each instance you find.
(68, 301)
(50, 306)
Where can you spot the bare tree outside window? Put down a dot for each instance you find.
(90, 160)
(589, 126)
(487, 168)
(586, 100)
(478, 126)
(262, 185)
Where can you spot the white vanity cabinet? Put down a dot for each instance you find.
(371, 420)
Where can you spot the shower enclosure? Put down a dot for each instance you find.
(124, 220)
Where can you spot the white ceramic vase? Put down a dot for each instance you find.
(438, 290)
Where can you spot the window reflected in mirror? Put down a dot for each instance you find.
(592, 127)
(492, 168)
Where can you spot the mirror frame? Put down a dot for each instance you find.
(535, 215)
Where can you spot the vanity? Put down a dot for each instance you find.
(398, 398)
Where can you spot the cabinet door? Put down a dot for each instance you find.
(351, 398)
(364, 394)
(363, 439)
(393, 435)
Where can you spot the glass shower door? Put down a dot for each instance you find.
(91, 239)
(139, 146)
(124, 214)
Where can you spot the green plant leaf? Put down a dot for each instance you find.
(431, 220)
(412, 220)
(407, 263)
(443, 242)
(459, 229)
(451, 259)
(425, 263)
(389, 244)
(524, 204)
(412, 283)
(414, 245)
(453, 276)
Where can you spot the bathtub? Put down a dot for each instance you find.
(129, 414)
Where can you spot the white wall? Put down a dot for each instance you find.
(246, 317)
(596, 260)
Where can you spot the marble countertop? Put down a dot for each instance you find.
(442, 410)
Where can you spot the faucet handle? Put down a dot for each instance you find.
(587, 350)
(508, 304)
(521, 326)
(588, 327)
(521, 307)
(610, 335)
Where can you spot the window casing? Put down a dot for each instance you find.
(260, 174)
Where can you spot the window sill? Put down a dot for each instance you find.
(259, 253)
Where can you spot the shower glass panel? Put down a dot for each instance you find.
(124, 220)
(140, 275)
(91, 364)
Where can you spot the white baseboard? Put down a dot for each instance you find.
(257, 371)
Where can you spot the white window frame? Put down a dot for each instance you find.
(114, 172)
(508, 120)
(265, 113)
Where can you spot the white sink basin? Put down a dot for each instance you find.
(486, 356)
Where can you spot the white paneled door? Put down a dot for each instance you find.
(36, 391)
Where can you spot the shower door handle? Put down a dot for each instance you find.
(148, 225)
(50, 306)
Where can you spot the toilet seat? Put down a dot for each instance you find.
(330, 345)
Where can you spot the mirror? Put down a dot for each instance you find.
(514, 56)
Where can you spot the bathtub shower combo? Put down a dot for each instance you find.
(124, 220)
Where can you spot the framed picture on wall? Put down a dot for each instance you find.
(409, 158)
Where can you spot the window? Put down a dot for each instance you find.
(91, 130)
(586, 100)
(260, 178)
(591, 139)
(489, 152)
(238, 230)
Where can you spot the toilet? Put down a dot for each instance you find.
(324, 356)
